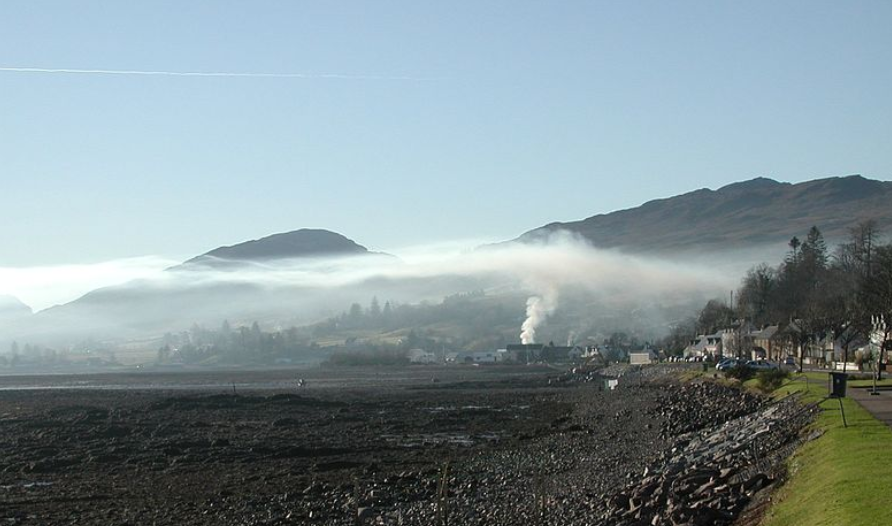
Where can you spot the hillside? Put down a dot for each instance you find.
(756, 212)
(301, 243)
(12, 308)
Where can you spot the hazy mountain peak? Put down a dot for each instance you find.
(10, 306)
(306, 242)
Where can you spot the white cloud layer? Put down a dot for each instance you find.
(45, 286)
(545, 270)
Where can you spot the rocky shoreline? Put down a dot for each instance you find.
(557, 450)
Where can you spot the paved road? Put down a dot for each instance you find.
(879, 405)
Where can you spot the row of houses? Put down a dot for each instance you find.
(773, 342)
(421, 356)
(528, 353)
(515, 353)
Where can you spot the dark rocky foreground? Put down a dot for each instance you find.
(481, 449)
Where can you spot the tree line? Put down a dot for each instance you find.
(843, 294)
(356, 335)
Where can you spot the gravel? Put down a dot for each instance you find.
(556, 450)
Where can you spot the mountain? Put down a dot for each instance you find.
(750, 213)
(259, 280)
(301, 243)
(12, 308)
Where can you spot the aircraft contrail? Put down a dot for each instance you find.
(335, 76)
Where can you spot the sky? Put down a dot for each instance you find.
(399, 123)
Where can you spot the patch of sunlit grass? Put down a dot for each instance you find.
(840, 478)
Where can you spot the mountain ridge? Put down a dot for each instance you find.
(757, 211)
(301, 243)
(11, 307)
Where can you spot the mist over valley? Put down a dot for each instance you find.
(564, 283)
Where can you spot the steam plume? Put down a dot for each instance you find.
(538, 309)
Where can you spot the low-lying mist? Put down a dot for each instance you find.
(562, 278)
(42, 287)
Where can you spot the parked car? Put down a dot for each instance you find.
(790, 361)
(728, 363)
(761, 365)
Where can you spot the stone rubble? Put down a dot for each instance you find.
(558, 451)
(709, 475)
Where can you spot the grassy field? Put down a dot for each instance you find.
(842, 478)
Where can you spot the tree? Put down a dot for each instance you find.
(375, 309)
(163, 354)
(800, 276)
(355, 314)
(814, 252)
(853, 266)
(754, 295)
(841, 309)
(195, 333)
(714, 316)
(812, 327)
(794, 245)
(680, 335)
(863, 240)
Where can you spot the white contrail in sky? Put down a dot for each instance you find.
(335, 76)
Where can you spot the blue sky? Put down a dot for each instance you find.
(453, 120)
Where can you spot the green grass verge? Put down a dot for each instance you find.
(842, 478)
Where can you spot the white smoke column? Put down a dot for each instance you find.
(538, 309)
(571, 338)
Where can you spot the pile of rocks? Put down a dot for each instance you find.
(709, 476)
(694, 405)
(649, 372)
(618, 370)
(627, 373)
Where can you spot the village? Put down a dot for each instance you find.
(774, 344)
(787, 344)
(535, 353)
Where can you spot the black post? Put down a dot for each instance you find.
(841, 410)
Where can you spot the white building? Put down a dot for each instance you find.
(644, 357)
(421, 356)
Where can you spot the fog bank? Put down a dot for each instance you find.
(562, 274)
